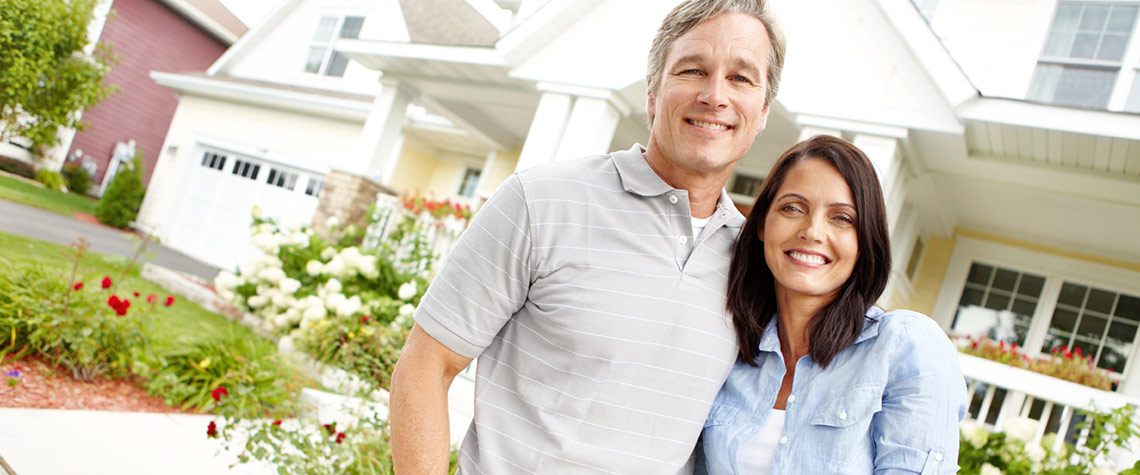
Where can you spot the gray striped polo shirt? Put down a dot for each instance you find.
(598, 319)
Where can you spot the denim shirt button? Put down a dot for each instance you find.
(938, 457)
(791, 398)
(842, 415)
(783, 440)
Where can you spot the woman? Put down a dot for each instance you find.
(826, 382)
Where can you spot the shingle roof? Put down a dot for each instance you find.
(447, 22)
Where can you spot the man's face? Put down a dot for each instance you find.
(709, 102)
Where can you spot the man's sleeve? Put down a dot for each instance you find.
(484, 279)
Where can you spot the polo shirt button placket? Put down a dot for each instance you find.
(673, 199)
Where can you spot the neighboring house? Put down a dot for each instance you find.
(145, 35)
(1006, 134)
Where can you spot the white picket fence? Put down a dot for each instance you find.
(440, 234)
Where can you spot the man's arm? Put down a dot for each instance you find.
(418, 404)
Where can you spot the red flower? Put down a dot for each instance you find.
(339, 437)
(974, 345)
(1077, 351)
(331, 428)
(152, 299)
(212, 430)
(78, 286)
(169, 300)
(218, 392)
(106, 282)
(136, 293)
(365, 318)
(120, 306)
(277, 422)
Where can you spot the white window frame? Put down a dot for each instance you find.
(329, 45)
(1056, 270)
(1126, 70)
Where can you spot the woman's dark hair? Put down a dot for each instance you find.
(751, 286)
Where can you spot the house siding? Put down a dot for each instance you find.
(145, 36)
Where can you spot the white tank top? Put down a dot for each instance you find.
(757, 453)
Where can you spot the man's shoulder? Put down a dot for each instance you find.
(592, 166)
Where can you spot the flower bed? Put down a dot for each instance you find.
(1061, 363)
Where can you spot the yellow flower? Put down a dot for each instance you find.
(204, 363)
(367, 331)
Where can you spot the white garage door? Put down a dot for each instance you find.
(219, 191)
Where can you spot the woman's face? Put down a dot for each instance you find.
(809, 234)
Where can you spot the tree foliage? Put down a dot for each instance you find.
(120, 203)
(45, 77)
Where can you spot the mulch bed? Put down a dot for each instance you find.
(43, 387)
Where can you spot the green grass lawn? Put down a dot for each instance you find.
(12, 189)
(174, 327)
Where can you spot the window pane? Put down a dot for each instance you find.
(1063, 320)
(1100, 301)
(1121, 332)
(1024, 307)
(1084, 45)
(1133, 104)
(1092, 327)
(351, 27)
(316, 55)
(980, 274)
(970, 297)
(1005, 279)
(1059, 44)
(997, 301)
(1128, 308)
(1031, 285)
(1112, 47)
(1114, 358)
(1084, 87)
(1123, 18)
(325, 29)
(1072, 295)
(337, 65)
(1094, 17)
(1068, 15)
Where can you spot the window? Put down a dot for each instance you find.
(313, 188)
(998, 303)
(322, 59)
(1099, 322)
(246, 169)
(470, 182)
(747, 185)
(1083, 53)
(214, 160)
(282, 179)
(915, 257)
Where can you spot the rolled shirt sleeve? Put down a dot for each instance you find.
(485, 278)
(924, 401)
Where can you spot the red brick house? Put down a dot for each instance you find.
(148, 35)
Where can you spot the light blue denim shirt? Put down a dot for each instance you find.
(890, 403)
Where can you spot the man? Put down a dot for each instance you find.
(593, 289)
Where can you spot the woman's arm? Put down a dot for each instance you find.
(924, 400)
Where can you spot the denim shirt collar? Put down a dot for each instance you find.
(771, 339)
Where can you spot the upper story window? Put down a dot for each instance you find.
(322, 59)
(470, 182)
(1084, 54)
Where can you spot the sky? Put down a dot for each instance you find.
(250, 11)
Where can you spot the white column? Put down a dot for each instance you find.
(382, 138)
(885, 156)
(589, 130)
(545, 130)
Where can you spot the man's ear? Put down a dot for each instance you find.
(650, 102)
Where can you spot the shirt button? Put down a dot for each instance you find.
(673, 199)
(791, 398)
(938, 457)
(724, 214)
(842, 415)
(783, 440)
(683, 239)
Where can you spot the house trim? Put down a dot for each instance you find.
(264, 95)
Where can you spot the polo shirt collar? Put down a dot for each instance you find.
(638, 177)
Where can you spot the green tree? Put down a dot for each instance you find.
(45, 78)
(120, 203)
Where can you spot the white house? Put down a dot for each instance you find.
(1006, 133)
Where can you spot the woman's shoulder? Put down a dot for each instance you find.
(916, 339)
(907, 324)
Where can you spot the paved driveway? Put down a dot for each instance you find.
(43, 225)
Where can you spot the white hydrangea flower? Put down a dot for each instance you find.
(367, 267)
(273, 275)
(1020, 428)
(293, 313)
(281, 320)
(257, 301)
(306, 324)
(1035, 452)
(407, 291)
(328, 253)
(309, 302)
(334, 300)
(266, 242)
(348, 307)
(289, 285)
(225, 281)
(255, 212)
(227, 295)
(1101, 471)
(974, 435)
(333, 286)
(407, 309)
(988, 469)
(335, 267)
(314, 313)
(333, 222)
(280, 299)
(314, 268)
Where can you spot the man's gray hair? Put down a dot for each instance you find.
(691, 13)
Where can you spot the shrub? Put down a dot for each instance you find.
(17, 167)
(78, 181)
(51, 180)
(120, 203)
